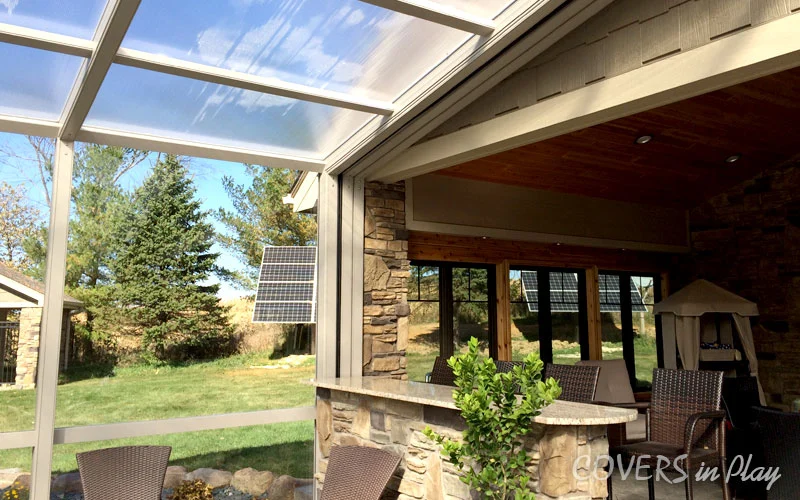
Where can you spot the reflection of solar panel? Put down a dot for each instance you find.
(287, 286)
(564, 292)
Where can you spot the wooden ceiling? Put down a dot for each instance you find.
(682, 166)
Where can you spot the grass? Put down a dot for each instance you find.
(236, 384)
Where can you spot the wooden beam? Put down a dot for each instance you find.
(472, 249)
(503, 306)
(593, 313)
(744, 56)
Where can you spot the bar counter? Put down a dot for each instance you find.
(391, 414)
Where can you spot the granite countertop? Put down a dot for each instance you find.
(559, 413)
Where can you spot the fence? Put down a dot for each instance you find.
(9, 341)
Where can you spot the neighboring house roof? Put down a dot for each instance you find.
(30, 288)
(304, 194)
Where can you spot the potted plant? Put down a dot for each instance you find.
(491, 455)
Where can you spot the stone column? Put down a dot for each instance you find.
(28, 347)
(386, 273)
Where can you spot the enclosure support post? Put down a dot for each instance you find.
(50, 335)
(352, 277)
(503, 308)
(593, 313)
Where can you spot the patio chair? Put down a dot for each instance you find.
(779, 435)
(578, 383)
(441, 374)
(685, 418)
(358, 473)
(508, 366)
(124, 473)
(740, 399)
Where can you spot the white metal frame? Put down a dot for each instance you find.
(446, 16)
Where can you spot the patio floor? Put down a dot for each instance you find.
(631, 489)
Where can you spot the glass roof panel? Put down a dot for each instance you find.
(483, 8)
(147, 102)
(77, 18)
(35, 83)
(347, 45)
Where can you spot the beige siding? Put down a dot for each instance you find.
(463, 203)
(621, 38)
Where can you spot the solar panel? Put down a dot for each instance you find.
(565, 292)
(287, 286)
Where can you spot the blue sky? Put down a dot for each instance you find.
(207, 176)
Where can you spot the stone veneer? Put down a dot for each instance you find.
(28, 347)
(349, 419)
(748, 241)
(386, 272)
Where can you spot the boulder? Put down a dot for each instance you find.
(213, 477)
(282, 489)
(68, 483)
(23, 480)
(304, 492)
(8, 476)
(174, 477)
(252, 482)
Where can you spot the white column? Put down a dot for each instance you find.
(327, 287)
(352, 277)
(50, 336)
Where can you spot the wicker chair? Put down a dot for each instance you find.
(779, 435)
(685, 417)
(358, 473)
(578, 383)
(508, 366)
(124, 473)
(441, 374)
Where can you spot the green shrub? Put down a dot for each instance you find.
(192, 490)
(492, 456)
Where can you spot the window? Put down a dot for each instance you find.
(450, 303)
(548, 314)
(630, 330)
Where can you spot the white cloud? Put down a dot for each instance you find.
(355, 17)
(10, 5)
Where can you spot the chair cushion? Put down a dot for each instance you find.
(636, 430)
(613, 384)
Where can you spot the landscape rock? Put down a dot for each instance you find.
(213, 477)
(282, 489)
(174, 477)
(23, 480)
(304, 491)
(252, 481)
(68, 483)
(8, 476)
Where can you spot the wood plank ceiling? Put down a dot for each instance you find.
(683, 165)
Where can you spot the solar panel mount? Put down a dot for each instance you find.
(287, 286)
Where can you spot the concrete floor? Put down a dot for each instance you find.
(631, 489)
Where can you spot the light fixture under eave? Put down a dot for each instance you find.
(644, 139)
(733, 158)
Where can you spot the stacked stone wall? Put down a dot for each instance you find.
(748, 241)
(386, 273)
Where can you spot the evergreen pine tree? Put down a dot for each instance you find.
(164, 260)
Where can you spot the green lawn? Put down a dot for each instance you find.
(236, 384)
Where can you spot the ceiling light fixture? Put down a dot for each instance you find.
(644, 139)
(733, 158)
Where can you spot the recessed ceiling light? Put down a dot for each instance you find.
(733, 158)
(644, 139)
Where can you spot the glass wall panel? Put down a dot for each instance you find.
(470, 308)
(610, 316)
(565, 294)
(524, 313)
(25, 191)
(15, 468)
(166, 265)
(644, 328)
(285, 448)
(424, 335)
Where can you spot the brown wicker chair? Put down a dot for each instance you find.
(358, 473)
(578, 383)
(124, 473)
(685, 417)
(441, 374)
(507, 366)
(779, 436)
